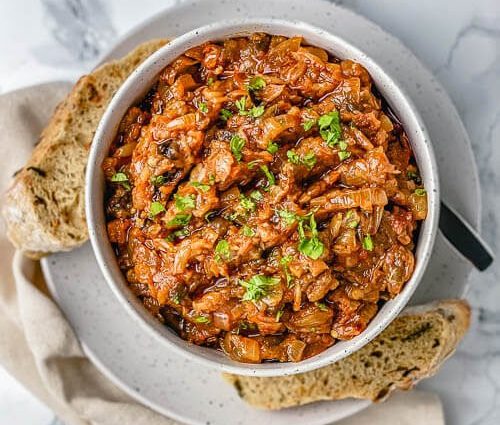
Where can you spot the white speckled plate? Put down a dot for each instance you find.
(184, 390)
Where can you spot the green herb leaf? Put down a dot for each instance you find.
(202, 106)
(269, 175)
(308, 124)
(236, 144)
(289, 217)
(308, 160)
(177, 234)
(252, 164)
(158, 180)
(279, 313)
(183, 203)
(352, 219)
(180, 220)
(258, 287)
(241, 104)
(225, 114)
(329, 128)
(272, 147)
(293, 157)
(342, 145)
(155, 208)
(122, 179)
(322, 306)
(202, 319)
(203, 187)
(256, 111)
(285, 261)
(343, 155)
(248, 231)
(368, 243)
(420, 192)
(247, 203)
(256, 83)
(256, 195)
(210, 81)
(311, 247)
(222, 251)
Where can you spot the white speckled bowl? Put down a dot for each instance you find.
(136, 86)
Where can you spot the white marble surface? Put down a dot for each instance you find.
(459, 40)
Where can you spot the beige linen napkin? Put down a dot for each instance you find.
(38, 346)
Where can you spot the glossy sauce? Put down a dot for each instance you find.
(260, 200)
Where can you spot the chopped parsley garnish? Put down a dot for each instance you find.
(248, 231)
(351, 220)
(202, 319)
(158, 180)
(183, 203)
(180, 220)
(279, 313)
(256, 195)
(343, 155)
(236, 144)
(289, 217)
(368, 243)
(241, 104)
(329, 128)
(210, 81)
(177, 234)
(308, 124)
(322, 306)
(253, 163)
(312, 247)
(256, 83)
(272, 147)
(202, 106)
(122, 179)
(269, 175)
(258, 287)
(256, 111)
(285, 261)
(203, 187)
(225, 114)
(293, 157)
(156, 208)
(308, 160)
(247, 203)
(222, 251)
(420, 192)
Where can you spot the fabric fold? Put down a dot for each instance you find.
(38, 345)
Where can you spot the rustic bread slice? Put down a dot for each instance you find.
(44, 207)
(412, 348)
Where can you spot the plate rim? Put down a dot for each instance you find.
(161, 15)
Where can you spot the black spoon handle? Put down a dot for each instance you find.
(464, 238)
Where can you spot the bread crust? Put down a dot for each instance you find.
(412, 348)
(44, 206)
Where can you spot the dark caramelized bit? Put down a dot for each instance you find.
(261, 200)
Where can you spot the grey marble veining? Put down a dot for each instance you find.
(82, 27)
(458, 40)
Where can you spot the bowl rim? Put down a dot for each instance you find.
(143, 77)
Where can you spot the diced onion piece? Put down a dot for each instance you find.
(418, 206)
(241, 349)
